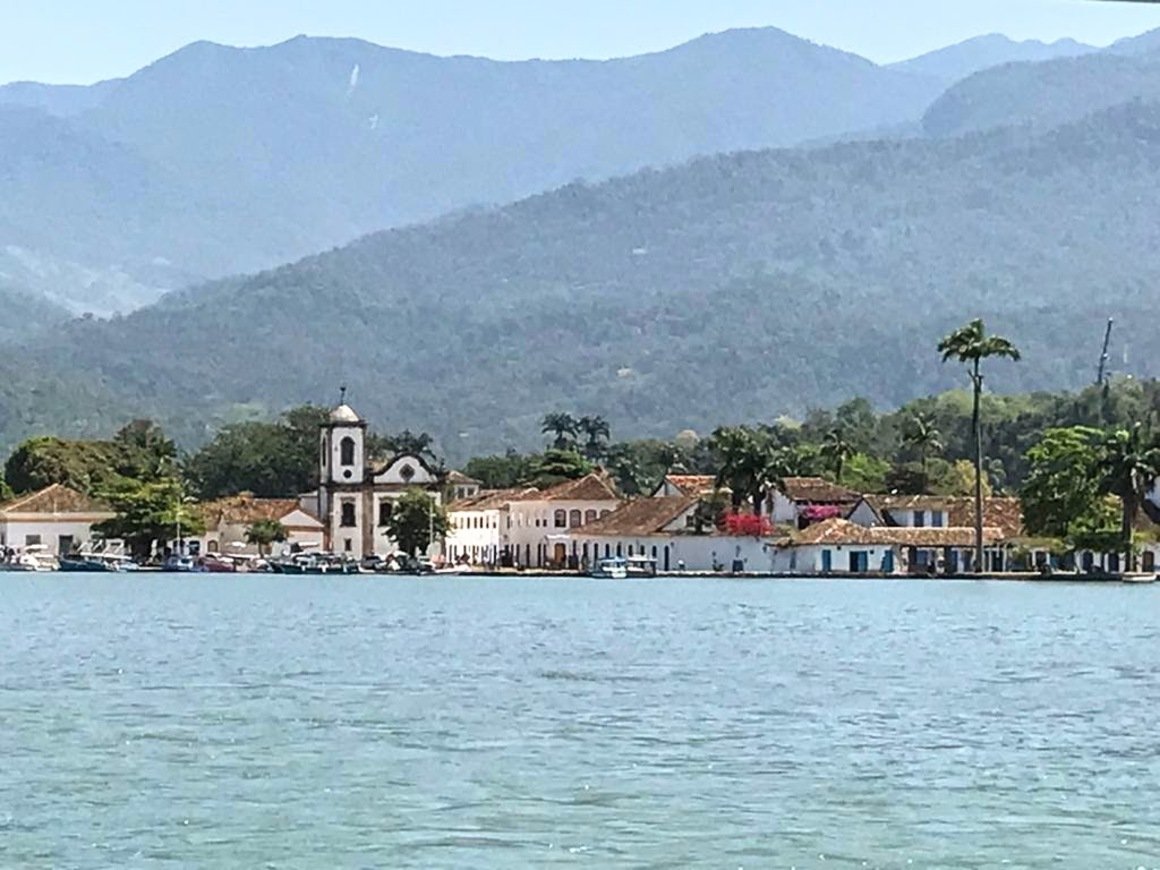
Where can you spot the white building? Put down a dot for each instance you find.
(805, 500)
(356, 497)
(663, 528)
(521, 527)
(57, 518)
(228, 520)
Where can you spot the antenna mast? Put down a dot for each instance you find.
(1103, 372)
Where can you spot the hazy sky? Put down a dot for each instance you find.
(85, 40)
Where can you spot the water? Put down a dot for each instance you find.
(349, 722)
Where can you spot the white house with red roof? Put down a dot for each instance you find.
(57, 518)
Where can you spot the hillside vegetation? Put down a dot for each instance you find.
(734, 288)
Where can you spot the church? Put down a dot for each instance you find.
(356, 495)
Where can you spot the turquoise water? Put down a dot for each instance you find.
(350, 722)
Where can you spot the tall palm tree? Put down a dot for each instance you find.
(596, 433)
(563, 427)
(836, 451)
(922, 436)
(971, 345)
(1129, 465)
(735, 448)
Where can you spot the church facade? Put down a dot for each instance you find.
(356, 496)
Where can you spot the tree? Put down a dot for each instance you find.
(1129, 464)
(556, 466)
(836, 450)
(921, 435)
(415, 521)
(82, 465)
(1062, 489)
(740, 461)
(147, 514)
(596, 434)
(265, 532)
(971, 345)
(146, 453)
(500, 472)
(405, 443)
(563, 427)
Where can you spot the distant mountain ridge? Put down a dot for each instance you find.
(956, 62)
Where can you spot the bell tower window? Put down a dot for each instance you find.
(348, 519)
(346, 451)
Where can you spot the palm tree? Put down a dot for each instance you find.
(836, 451)
(971, 345)
(1129, 465)
(564, 428)
(596, 433)
(265, 532)
(922, 436)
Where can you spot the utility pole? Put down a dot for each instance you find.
(1103, 370)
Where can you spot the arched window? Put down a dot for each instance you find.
(348, 514)
(574, 519)
(619, 550)
(589, 516)
(561, 518)
(346, 451)
(212, 546)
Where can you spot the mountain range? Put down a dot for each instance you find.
(793, 275)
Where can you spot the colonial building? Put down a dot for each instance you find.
(805, 500)
(356, 495)
(522, 527)
(228, 521)
(57, 518)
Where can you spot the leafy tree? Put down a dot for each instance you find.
(265, 532)
(836, 451)
(971, 345)
(405, 443)
(563, 428)
(1062, 489)
(866, 473)
(146, 453)
(959, 480)
(147, 514)
(709, 514)
(1129, 464)
(501, 472)
(414, 520)
(556, 466)
(83, 465)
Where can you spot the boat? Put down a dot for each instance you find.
(96, 563)
(34, 557)
(611, 568)
(179, 564)
(641, 566)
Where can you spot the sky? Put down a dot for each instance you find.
(81, 41)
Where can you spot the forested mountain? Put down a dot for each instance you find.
(1045, 95)
(733, 288)
(216, 160)
(957, 62)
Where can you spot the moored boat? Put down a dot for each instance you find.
(611, 568)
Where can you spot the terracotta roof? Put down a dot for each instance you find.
(815, 490)
(245, 510)
(843, 532)
(692, 484)
(55, 499)
(459, 477)
(491, 499)
(640, 517)
(1003, 513)
(591, 487)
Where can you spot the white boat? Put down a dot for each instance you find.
(612, 568)
(34, 557)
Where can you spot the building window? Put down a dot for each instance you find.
(346, 451)
(561, 518)
(211, 546)
(589, 516)
(936, 519)
(32, 540)
(64, 544)
(919, 519)
(347, 544)
(348, 520)
(574, 519)
(385, 507)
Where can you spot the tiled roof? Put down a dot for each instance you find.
(815, 490)
(491, 499)
(692, 484)
(591, 487)
(843, 532)
(1003, 513)
(55, 499)
(640, 517)
(245, 510)
(459, 477)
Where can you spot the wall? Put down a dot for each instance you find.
(14, 532)
(698, 552)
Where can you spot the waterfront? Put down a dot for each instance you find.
(316, 722)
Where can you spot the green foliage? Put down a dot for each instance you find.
(1129, 464)
(265, 532)
(865, 473)
(414, 518)
(1061, 493)
(556, 466)
(501, 472)
(147, 514)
